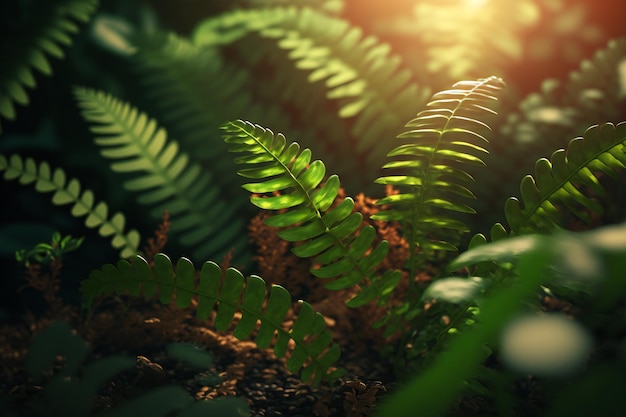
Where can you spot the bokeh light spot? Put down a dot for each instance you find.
(545, 346)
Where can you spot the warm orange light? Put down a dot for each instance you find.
(476, 3)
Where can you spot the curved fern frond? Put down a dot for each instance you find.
(548, 119)
(314, 351)
(50, 28)
(430, 171)
(334, 237)
(69, 192)
(558, 184)
(369, 84)
(166, 180)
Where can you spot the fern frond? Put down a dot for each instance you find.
(49, 28)
(69, 192)
(548, 119)
(166, 180)
(190, 88)
(314, 352)
(430, 171)
(559, 182)
(593, 94)
(332, 236)
(369, 84)
(194, 91)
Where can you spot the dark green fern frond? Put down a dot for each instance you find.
(31, 37)
(194, 91)
(332, 236)
(69, 192)
(559, 183)
(263, 313)
(369, 84)
(191, 89)
(431, 169)
(166, 180)
(595, 93)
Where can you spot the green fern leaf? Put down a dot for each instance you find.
(314, 352)
(69, 192)
(166, 180)
(445, 137)
(559, 183)
(30, 49)
(594, 93)
(370, 86)
(332, 236)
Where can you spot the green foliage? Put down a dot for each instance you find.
(559, 183)
(329, 233)
(539, 260)
(164, 177)
(310, 72)
(49, 30)
(314, 351)
(546, 120)
(43, 253)
(429, 171)
(370, 85)
(69, 192)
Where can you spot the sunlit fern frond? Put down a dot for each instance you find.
(333, 236)
(559, 183)
(27, 171)
(264, 314)
(32, 34)
(370, 86)
(165, 179)
(431, 169)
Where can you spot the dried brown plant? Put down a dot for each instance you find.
(47, 283)
(156, 244)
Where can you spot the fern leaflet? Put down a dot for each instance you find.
(69, 192)
(333, 236)
(169, 181)
(314, 352)
(29, 49)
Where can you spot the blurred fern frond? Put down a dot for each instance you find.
(372, 89)
(465, 39)
(165, 178)
(35, 36)
(546, 120)
(46, 180)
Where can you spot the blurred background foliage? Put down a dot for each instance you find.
(149, 54)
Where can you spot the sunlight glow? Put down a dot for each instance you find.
(476, 3)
